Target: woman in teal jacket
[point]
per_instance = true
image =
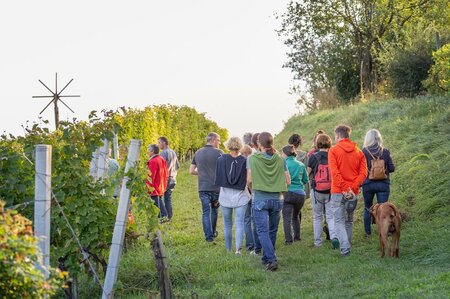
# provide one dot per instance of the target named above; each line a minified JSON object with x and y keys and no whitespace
{"x":294,"y":198}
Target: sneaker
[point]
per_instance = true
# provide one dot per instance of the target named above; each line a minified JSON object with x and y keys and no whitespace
{"x":253,"y":253}
{"x":216,"y":233}
{"x":287,"y":243}
{"x":272,"y":266}
{"x":164,"y":219}
{"x":344,"y":254}
{"x":238,"y":253}
{"x":335,"y":243}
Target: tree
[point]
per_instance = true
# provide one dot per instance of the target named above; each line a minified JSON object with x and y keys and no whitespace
{"x":315,"y":30}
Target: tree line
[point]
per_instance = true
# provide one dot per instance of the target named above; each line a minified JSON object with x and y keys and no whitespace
{"x":352,"y":49}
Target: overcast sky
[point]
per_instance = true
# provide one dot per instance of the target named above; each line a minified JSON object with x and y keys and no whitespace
{"x":221,"y":57}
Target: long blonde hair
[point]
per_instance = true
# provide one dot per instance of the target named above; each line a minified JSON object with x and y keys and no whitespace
{"x":373,"y":138}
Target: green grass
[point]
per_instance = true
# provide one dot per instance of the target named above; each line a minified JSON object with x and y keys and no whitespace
{"x":418,"y":134}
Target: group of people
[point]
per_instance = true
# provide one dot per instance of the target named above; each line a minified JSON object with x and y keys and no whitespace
{"x":258,"y":184}
{"x":163,"y":166}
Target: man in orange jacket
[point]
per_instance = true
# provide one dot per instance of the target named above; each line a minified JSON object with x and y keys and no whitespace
{"x":348,"y":169}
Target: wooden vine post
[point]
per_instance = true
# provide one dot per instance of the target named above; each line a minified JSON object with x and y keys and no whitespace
{"x":162,"y":267}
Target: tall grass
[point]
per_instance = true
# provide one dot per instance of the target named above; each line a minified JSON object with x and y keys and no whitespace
{"x":417,"y":133}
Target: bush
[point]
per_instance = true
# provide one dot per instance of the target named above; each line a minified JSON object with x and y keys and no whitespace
{"x":19,"y":277}
{"x":439,"y":75}
{"x":407,"y":71}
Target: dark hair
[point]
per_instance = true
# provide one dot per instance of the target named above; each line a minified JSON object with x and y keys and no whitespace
{"x":255,"y":140}
{"x":164,"y":139}
{"x":154,"y":148}
{"x":266,"y":141}
{"x":343,"y":131}
{"x":323,"y":141}
{"x":289,"y":150}
{"x":211,"y":137}
{"x":296,"y":140}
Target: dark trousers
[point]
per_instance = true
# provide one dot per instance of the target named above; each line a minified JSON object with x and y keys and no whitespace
{"x":381,"y":189}
{"x":168,"y":196}
{"x":160,"y":204}
{"x":293,"y":203}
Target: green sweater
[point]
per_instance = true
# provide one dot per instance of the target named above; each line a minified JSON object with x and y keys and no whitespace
{"x":268,"y":173}
{"x":299,"y":176}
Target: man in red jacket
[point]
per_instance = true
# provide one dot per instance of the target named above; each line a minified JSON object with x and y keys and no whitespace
{"x":348,"y":171}
{"x":158,"y":177}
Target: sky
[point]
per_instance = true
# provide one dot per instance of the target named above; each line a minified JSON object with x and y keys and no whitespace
{"x":222,"y":57}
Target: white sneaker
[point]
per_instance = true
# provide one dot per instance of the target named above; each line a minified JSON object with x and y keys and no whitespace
{"x":253,"y":253}
{"x":238,"y":253}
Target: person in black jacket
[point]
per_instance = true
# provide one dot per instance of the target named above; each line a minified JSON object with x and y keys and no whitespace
{"x":373,"y":149}
{"x":231,"y":177}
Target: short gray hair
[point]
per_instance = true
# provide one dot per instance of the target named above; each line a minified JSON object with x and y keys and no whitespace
{"x":153,"y":148}
{"x":373,"y":138}
{"x":212,"y":136}
{"x":247,"y":138}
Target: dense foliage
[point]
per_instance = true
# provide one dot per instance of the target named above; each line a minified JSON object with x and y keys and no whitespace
{"x":88,"y":203}
{"x":19,"y":277}
{"x":342,"y":49}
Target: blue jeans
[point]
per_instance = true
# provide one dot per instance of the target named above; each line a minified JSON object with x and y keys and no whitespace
{"x":381,"y":190}
{"x":168,"y":196}
{"x":267,"y":218}
{"x":210,"y":204}
{"x":251,"y":236}
{"x":227,"y":214}
{"x":160,"y":204}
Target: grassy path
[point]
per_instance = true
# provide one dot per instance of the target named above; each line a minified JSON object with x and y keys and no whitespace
{"x":208,"y":271}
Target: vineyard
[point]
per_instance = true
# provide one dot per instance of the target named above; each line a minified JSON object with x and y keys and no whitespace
{"x":83,"y":208}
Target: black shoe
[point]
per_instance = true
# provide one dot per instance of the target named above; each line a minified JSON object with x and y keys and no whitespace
{"x":272,"y":266}
{"x":297,"y":239}
{"x":216,"y":233}
{"x":287,"y":243}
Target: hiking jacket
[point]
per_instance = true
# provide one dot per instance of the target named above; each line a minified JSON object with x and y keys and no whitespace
{"x":158,"y":176}
{"x":348,"y":166}
{"x":231,"y":172}
{"x":299,"y":176}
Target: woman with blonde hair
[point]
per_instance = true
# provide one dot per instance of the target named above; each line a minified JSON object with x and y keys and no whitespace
{"x":231,"y":177}
{"x":378,"y":185}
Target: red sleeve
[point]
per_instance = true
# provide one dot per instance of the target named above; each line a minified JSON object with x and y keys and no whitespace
{"x":362,"y":173}
{"x":152,"y":167}
{"x":336,"y":175}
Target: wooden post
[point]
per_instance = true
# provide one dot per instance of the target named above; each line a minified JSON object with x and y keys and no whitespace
{"x":165,"y":285}
{"x":120,"y":225}
{"x":42,"y":203}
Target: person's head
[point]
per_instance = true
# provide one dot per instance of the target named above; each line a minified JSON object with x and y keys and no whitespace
{"x":323,"y":141}
{"x":152,"y":150}
{"x":265,"y":141}
{"x":163,"y":142}
{"x":255,"y":141}
{"x":234,"y":144}
{"x":342,"y":131}
{"x":247,"y":138}
{"x":289,"y":151}
{"x":315,"y":138}
{"x":373,"y":139}
{"x":246,"y":150}
{"x":213,"y":139}
{"x":296,"y":140}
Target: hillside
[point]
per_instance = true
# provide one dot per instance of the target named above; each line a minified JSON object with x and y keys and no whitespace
{"x":417,"y":133}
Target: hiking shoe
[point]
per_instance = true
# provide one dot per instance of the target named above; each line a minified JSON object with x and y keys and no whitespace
{"x":287,"y":243}
{"x":272,"y":266}
{"x":344,"y":254}
{"x":335,"y":243}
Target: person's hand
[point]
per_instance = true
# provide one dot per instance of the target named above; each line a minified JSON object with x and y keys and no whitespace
{"x":349,"y":194}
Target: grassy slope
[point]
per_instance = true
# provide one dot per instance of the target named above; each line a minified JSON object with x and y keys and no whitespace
{"x":417,"y":132}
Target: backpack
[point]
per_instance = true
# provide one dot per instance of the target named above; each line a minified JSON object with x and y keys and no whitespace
{"x":322,"y":175}
{"x":378,"y":168}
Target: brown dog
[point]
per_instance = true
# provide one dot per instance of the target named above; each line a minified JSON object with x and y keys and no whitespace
{"x":388,"y":220}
